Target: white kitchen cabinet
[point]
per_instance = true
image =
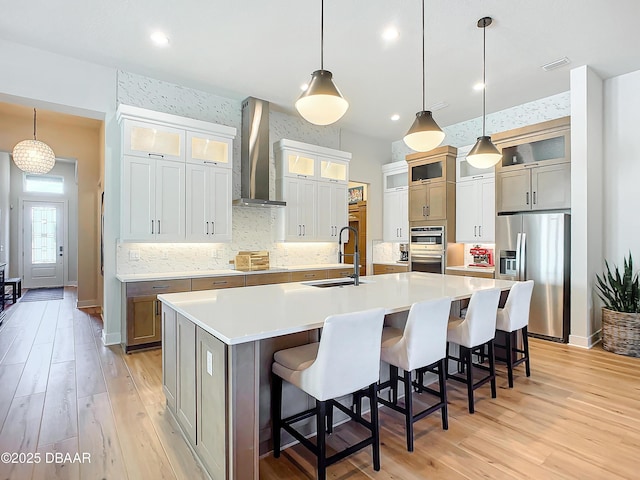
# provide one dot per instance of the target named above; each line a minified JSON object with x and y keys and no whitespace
{"x":208,"y":206}
{"x":332,"y":210}
{"x":312,"y":180}
{"x":153,"y":140}
{"x":301,"y":210}
{"x":162,"y":199}
{"x":153,"y":199}
{"x":396,"y":216}
{"x":475,"y":215}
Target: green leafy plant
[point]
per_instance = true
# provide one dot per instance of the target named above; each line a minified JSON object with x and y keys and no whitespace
{"x":620,"y":293}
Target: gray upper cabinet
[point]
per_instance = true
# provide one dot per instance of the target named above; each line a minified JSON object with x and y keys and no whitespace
{"x":535,"y":171}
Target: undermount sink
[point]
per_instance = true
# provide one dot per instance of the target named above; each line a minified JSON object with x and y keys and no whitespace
{"x":336,"y":283}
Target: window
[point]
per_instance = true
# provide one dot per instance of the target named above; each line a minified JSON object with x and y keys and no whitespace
{"x":43,"y":183}
{"x":43,"y":244}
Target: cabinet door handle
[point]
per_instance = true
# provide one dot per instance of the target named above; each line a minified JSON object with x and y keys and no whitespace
{"x":160,"y":287}
{"x":304,"y":230}
{"x":475,"y":228}
{"x":158,"y":226}
{"x":220,"y":282}
{"x":428,"y":210}
{"x":213,"y":227}
{"x":299,"y":230}
{"x":400,"y":232}
{"x":534,"y":198}
{"x":156,"y":155}
{"x":480,"y":230}
{"x":152,"y":222}
{"x":207,"y":162}
{"x":527,"y":198}
{"x":423,"y":210}
{"x":207,"y":228}
{"x":157,"y":307}
{"x":309,"y":275}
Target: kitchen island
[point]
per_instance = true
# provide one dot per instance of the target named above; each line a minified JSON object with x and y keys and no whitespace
{"x":218,"y":347}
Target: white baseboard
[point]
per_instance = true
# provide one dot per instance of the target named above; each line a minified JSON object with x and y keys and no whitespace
{"x":71,"y":284}
{"x":585,"y":342}
{"x":87,"y":303}
{"x":111,"y":338}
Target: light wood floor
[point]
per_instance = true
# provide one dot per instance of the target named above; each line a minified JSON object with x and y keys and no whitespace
{"x":61,"y":390}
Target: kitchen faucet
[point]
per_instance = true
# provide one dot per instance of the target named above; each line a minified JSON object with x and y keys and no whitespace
{"x":355,"y":254}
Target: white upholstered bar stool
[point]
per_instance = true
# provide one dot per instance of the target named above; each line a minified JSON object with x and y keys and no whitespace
{"x":512,"y":318}
{"x":472,"y":333}
{"x":346,"y":360}
{"x":421,"y":347}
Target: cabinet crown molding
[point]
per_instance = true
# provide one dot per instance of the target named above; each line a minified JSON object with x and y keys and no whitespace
{"x":129,"y":112}
{"x":436,"y":152}
{"x":302,"y":147}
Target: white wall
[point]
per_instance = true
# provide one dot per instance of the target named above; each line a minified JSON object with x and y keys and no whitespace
{"x":622,"y":173}
{"x":587,"y":234}
{"x":67,"y":171}
{"x":5,"y":169}
{"x":79,"y":88}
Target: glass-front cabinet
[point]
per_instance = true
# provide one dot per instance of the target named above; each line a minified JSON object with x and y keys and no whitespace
{"x":333,"y":170}
{"x":208,"y":149}
{"x":144,"y":139}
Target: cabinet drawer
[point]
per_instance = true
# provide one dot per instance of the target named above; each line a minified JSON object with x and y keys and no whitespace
{"x":214,"y":283}
{"x":267,"y":278}
{"x":379,"y":269}
{"x":156,"y":287}
{"x":339,"y":272}
{"x":306,"y":275}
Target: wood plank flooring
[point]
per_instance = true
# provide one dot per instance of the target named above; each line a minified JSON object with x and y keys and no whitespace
{"x":62,"y":391}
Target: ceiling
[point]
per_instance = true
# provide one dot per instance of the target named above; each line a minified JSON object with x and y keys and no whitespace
{"x":267,"y":49}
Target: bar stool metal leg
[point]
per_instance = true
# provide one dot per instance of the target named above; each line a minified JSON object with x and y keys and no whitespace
{"x":276,"y":415}
{"x":408,"y":405}
{"x":468,"y":364}
{"x":525,"y":344}
{"x":492,"y":369}
{"x":321,"y":440}
{"x":330,"y":418}
{"x":509,"y":359}
{"x":442,"y":379}
{"x":375,"y":427}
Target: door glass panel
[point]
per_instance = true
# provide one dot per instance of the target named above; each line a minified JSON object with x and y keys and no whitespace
{"x":468,"y":170}
{"x":43,"y":243}
{"x":532,"y":152}
{"x":146,"y":139}
{"x":301,"y":165}
{"x":426,"y":172}
{"x":333,"y":170}
{"x":206,"y":149}
{"x":397,"y":180}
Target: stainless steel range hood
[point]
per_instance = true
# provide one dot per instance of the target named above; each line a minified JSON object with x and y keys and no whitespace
{"x":254,"y":156}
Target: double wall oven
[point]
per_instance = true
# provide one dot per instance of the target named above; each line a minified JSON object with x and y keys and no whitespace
{"x":427,"y":249}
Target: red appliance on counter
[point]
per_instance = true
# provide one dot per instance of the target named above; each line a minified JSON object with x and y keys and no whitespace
{"x":482,"y":257}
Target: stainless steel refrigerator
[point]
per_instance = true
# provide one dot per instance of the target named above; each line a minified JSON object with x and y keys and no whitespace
{"x":536,"y":246}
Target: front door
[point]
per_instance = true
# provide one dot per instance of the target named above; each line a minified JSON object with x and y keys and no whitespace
{"x":43,"y":244}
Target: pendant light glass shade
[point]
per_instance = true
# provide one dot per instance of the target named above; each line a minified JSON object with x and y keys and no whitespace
{"x":322,"y":103}
{"x":484,"y":153}
{"x":34,"y":156}
{"x":424,"y":134}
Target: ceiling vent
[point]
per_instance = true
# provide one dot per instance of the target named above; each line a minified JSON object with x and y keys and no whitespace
{"x":556,"y":64}
{"x":437,"y":106}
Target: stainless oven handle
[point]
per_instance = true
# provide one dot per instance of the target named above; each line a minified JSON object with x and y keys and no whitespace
{"x":419,"y":257}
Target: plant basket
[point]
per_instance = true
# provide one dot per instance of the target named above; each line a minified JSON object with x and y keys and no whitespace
{"x":621,"y":332}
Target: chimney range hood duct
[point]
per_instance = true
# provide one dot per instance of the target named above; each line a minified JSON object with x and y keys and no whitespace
{"x":254,"y":158}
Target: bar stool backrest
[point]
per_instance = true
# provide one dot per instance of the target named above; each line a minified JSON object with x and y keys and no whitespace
{"x":348,"y":356}
{"x":518,"y":304}
{"x":425,"y":334}
{"x":480,"y":321}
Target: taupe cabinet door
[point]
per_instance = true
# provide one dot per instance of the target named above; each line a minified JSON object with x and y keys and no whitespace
{"x":169,"y":357}
{"x":186,"y":401}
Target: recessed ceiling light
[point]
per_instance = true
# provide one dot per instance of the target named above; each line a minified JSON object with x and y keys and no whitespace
{"x":478,"y":86}
{"x":390,"y":33}
{"x":304,"y":87}
{"x":160,"y":39}
{"x":395,"y":117}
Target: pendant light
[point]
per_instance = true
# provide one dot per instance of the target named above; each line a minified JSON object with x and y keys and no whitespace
{"x":34,"y":156}
{"x":322,"y":103}
{"x":424,"y":134}
{"x":484,"y":153}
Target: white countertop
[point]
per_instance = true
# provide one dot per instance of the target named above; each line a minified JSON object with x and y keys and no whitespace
{"x":140,"y":277}
{"x":239,"y":315}
{"x":465,"y":268}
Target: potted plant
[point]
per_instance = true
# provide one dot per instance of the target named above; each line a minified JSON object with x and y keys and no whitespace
{"x":621,"y":312}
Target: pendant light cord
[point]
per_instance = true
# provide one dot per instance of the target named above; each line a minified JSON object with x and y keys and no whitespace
{"x":484,"y":76}
{"x":34,"y":123}
{"x":424,"y":84}
{"x":322,"y":35}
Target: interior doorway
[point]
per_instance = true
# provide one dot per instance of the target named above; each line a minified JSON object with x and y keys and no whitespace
{"x":358,"y":220}
{"x":43,"y":243}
